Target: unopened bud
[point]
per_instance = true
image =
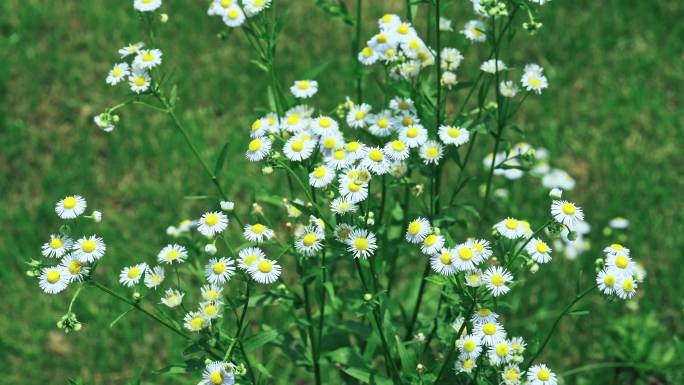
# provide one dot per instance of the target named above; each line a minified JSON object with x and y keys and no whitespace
{"x":555,"y":193}
{"x":420,"y":368}
{"x":164,"y":17}
{"x":367,"y":297}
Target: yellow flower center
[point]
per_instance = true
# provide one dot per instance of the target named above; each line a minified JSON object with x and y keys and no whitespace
{"x":403,"y":29}
{"x":256,"y":125}
{"x":478,"y":247}
{"x":383,"y":123}
{"x":89,"y":246}
{"x":226,"y":3}
{"x":375,"y":155}
{"x":249,"y":260}
{"x":139,"y":81}
{"x":173,"y":254}
{"x":293,"y":119}
{"x":74,"y":267}
{"x":329,"y":143}
{"x":512,"y":374}
{"x":465,"y":253}
{"x":55,"y":243}
{"x":468,"y":364}
{"x":498,"y":280}
{"x":116,"y":72}
{"x":367,"y":52}
{"x":382,"y":38}
{"x":609,"y":280}
{"x":258,"y":3}
{"x":69,"y":202}
{"x":302,"y":85}
{"x":211,"y":219}
{"x":218,"y":268}
{"x":501,"y":350}
{"x":338,"y":155}
{"x":210,"y":310}
{"x":511,"y":224}
{"x":398,"y":146}
{"x":258,"y":228}
{"x":469,"y":346}
{"x":255,"y":145}
{"x":319,"y":172}
{"x":265,"y":266}
{"x":432,"y":152}
{"x":543,"y":374}
{"x":407,"y":121}
{"x":216,"y":378}
{"x":297,"y":146}
{"x":386,"y":18}
{"x":617,"y":246}
{"x":628,"y":285}
{"x":568,"y":208}
{"x":484,"y":312}
{"x":197,"y":323}
{"x":489,"y":329}
{"x":324,"y":122}
{"x":353,"y":187}
{"x":453,"y":132}
{"x":309,"y":239}
{"x":430,"y":240}
{"x":541,"y":247}
{"x":353,"y":146}
{"x":621,"y":261}
{"x":361,"y":243}
{"x":133,"y":272}
{"x":233,"y":14}
{"x":412,"y":132}
{"x":535,"y":82}
{"x":414,"y":227}
{"x":147,"y":57}
{"x":53,"y":276}
{"x":445,"y":258}
{"x":360,"y":114}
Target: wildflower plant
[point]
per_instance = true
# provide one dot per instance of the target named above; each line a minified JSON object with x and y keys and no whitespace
{"x":365,"y":186}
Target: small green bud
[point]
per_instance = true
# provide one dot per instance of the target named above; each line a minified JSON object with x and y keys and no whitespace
{"x":367,"y":297}
{"x":573,"y":235}
{"x":164,"y":17}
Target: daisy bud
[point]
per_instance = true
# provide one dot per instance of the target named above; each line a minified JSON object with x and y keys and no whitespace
{"x":115,"y":119}
{"x":420,"y":337}
{"x":268,"y":170}
{"x":77,"y":327}
{"x":309,"y":205}
{"x":420,"y":368}
{"x":367,"y":297}
{"x":210,"y":248}
{"x":97,"y":216}
{"x":556,"y":193}
{"x":370,"y":222}
{"x":227,"y":205}
{"x":170,"y":230}
{"x":136,"y":296}
{"x":257,"y":209}
{"x":534,"y":268}
{"x":164,"y":18}
{"x":573,"y":235}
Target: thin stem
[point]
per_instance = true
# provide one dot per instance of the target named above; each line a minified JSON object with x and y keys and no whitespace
{"x":355,"y":49}
{"x":452,"y":347}
{"x":314,"y":353}
{"x":419,"y":300}
{"x":229,"y":353}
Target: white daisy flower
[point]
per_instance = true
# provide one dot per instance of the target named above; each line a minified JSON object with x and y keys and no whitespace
{"x":117,"y":73}
{"x":146,"y":5}
{"x":342,"y":206}
{"x":402,"y":105}
{"x":219,"y":270}
{"x":310,"y":242}
{"x":541,"y":375}
{"x":407,"y":119}
{"x":621,"y":263}
{"x":211,"y":293}
{"x":375,"y":161}
{"x":355,"y":150}
{"x":443,"y":263}
{"x":354,"y":191}
{"x":329,"y":130}
{"x":104,"y":122}
{"x":258,"y":148}
{"x":398,"y":168}
{"x":431,"y":152}
{"x":339,"y":159}
{"x":266,"y":271}
{"x":381,"y":124}
{"x":298,"y":148}
{"x":131,"y":49}
{"x":414,"y":136}
{"x":154,"y":276}
{"x":227,"y":205}
{"x":172,"y":253}
{"x":616,"y":248}
{"x":321,"y":176}
{"x":343,"y":231}
{"x":432,"y":244}
{"x":361,"y":243}
{"x":490,"y":333}
{"x":626,"y":287}
{"x":70,"y":207}
{"x":567,"y":213}
{"x":508,"y":89}
{"x":382,"y":41}
{"x":210,"y":309}
{"x":500,"y":353}
{"x":212,"y":223}
{"x":453,"y":135}
{"x":483,"y":316}
{"x":77,"y":270}
{"x":534,"y":81}
{"x":139,"y":81}
{"x":538,"y":250}
{"x":233,"y":16}
{"x":357,"y":117}
{"x":53,"y":280}
{"x":130,"y":275}
{"x":397,"y":150}
{"x":147,"y":59}
{"x":465,"y":365}
{"x":253,"y":7}
{"x":619,"y":223}
{"x":304,"y":88}
{"x":475,"y":30}
{"x":445,"y":25}
{"x":511,"y":375}
{"x":451,"y":59}
{"x":259,"y":128}
{"x":491,"y":66}
{"x":210,"y":248}
{"x":217,"y":372}
{"x":388,"y":22}
{"x":481,"y":247}
{"x":417,"y":230}
{"x":510,"y":228}
{"x":470,"y":346}
{"x":496,"y":278}
{"x":473,"y":278}
{"x":172,"y":298}
{"x":466,"y":258}
{"x":258,"y":233}
{"x":368,"y":56}
{"x":195,"y":321}
{"x":57,"y":246}
{"x":89,"y":249}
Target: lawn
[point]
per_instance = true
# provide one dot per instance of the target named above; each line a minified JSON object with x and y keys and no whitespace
{"x":611,"y":117}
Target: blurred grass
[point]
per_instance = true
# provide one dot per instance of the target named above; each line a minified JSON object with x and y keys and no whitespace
{"x":611,"y":118}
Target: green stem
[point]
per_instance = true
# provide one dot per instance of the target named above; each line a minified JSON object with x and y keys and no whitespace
{"x":355,"y":50}
{"x":229,"y":352}
{"x":419,"y":300}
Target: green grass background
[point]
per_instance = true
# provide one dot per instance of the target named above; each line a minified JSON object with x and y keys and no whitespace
{"x":611,"y":117}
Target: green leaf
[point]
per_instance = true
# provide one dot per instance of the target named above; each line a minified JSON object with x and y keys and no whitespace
{"x":260,"y":64}
{"x":366,"y":376}
{"x":407,"y":357}
{"x":579,"y":313}
{"x":173,"y":96}
{"x":221,"y":160}
{"x":437,"y":280}
{"x":172,"y":369}
{"x":317,"y":70}
{"x":260,"y":339}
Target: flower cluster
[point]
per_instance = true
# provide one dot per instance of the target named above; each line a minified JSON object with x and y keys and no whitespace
{"x":620,"y":275}
{"x":235,"y":12}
